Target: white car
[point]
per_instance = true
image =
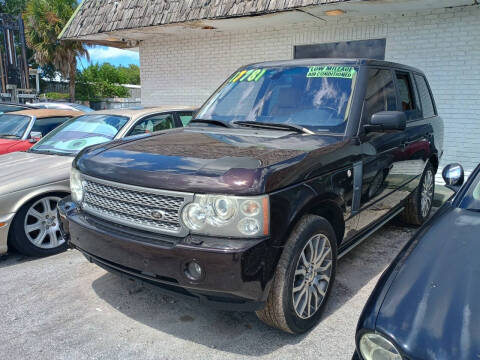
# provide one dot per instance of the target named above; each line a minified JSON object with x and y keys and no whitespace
{"x":32,"y":182}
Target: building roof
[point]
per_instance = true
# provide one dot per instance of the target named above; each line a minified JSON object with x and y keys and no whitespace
{"x":44,"y":113}
{"x":101,"y":16}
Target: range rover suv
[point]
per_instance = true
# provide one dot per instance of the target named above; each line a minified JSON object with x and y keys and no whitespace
{"x":285,"y":168}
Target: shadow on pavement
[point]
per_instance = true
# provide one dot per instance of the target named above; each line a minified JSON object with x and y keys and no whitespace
{"x":13,"y":258}
{"x":242,"y":333}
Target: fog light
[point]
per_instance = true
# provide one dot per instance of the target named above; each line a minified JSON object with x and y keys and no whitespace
{"x":194,"y":271}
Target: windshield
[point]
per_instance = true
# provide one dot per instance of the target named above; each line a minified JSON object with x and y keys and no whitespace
{"x":78,"y":133}
{"x":471,"y":200}
{"x":13,"y":125}
{"x":315,"y":97}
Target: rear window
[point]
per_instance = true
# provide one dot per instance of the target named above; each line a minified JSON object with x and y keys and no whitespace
{"x":5,"y":108}
{"x":46,"y":125}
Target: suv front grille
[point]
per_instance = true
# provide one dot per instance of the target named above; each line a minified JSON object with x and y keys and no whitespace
{"x":136,"y":207}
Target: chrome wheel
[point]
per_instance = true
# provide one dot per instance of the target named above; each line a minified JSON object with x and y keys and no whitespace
{"x":427,"y":194}
{"x":41,"y":223}
{"x":312,"y":276}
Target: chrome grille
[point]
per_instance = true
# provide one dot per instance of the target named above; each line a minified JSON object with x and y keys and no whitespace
{"x":134,"y":206}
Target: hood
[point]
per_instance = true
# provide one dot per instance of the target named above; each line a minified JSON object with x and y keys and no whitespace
{"x":22,"y":170}
{"x":432,"y":309}
{"x":6,"y":145}
{"x":206,"y":159}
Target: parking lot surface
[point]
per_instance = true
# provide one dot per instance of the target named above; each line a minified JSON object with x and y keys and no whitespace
{"x":63,"y":307}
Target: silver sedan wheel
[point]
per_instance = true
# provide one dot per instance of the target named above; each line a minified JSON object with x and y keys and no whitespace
{"x":312,"y":276}
{"x":427,"y":193}
{"x":41,"y":224}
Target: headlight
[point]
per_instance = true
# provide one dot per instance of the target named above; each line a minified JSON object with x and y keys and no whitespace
{"x":76,"y":186}
{"x":376,"y":347}
{"x":231,"y":216}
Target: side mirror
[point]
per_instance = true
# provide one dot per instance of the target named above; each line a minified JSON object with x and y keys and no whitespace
{"x":35,"y":136}
{"x":387,"y":120}
{"x":454,"y":176}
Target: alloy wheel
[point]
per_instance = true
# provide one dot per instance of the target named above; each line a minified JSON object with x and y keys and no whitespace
{"x":41,"y":224}
{"x":312,"y":276}
{"x":427,"y":194}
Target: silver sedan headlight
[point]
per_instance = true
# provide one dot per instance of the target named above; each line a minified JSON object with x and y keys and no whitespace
{"x":377,"y":347}
{"x":76,"y":186}
{"x":230,"y":216}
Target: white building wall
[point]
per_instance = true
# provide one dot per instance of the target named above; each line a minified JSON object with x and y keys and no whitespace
{"x":444,"y":43}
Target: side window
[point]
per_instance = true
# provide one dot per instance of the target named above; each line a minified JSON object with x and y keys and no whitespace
{"x":185,"y":117}
{"x":153,"y":123}
{"x":48,"y":124}
{"x":380,"y":94}
{"x":407,"y":96}
{"x":425,"y":97}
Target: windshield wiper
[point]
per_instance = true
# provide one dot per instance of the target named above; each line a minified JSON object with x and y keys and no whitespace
{"x":276,"y":126}
{"x":212,"y":122}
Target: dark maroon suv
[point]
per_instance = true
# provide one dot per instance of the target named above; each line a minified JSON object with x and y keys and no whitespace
{"x":288,"y":166}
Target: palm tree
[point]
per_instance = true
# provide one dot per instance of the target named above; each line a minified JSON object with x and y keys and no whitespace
{"x":44,"y":21}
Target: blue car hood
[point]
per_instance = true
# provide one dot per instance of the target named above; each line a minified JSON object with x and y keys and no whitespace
{"x":432,"y":309}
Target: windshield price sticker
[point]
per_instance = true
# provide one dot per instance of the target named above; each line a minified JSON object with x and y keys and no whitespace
{"x":248,"y":75}
{"x":344,"y":72}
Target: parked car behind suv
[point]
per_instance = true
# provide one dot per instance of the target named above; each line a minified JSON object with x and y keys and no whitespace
{"x":286,"y":168}
{"x":32,"y":182}
{"x":19,"y":130}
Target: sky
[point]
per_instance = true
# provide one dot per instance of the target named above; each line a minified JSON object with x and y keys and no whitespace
{"x":101,"y":54}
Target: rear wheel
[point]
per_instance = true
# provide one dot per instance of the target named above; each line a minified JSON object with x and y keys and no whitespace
{"x":419,"y":205}
{"x":36,"y":228}
{"x":303,"y":278}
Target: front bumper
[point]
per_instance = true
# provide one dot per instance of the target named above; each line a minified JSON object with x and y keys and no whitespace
{"x":237,"y":273}
{"x":7,"y":221}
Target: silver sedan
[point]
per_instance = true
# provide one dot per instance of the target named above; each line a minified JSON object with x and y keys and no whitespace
{"x":32,"y":182}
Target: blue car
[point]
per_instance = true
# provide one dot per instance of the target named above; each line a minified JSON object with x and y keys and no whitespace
{"x":427,"y":303}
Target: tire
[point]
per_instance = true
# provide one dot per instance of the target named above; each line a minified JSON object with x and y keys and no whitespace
{"x":283,"y":309}
{"x":40,"y":217}
{"x":415,"y":213}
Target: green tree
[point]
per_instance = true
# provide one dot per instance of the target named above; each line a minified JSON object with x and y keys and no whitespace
{"x":44,"y":21}
{"x":131,"y":74}
{"x":12,"y":7}
{"x":101,"y":81}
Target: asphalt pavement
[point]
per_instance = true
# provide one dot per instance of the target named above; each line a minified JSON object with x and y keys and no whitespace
{"x":63,"y":307}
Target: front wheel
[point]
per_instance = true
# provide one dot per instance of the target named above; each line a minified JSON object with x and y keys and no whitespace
{"x":303,"y":278}
{"x":419,"y":205}
{"x":36,"y":228}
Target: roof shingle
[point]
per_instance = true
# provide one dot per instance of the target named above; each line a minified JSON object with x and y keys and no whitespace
{"x":99,"y":16}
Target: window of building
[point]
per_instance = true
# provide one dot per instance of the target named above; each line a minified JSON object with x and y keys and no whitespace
{"x":425,"y":97}
{"x":380,"y":94}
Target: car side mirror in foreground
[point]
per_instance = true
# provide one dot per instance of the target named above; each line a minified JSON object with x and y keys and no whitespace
{"x":454,"y":176}
{"x":35,"y":136}
{"x":387,"y":120}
